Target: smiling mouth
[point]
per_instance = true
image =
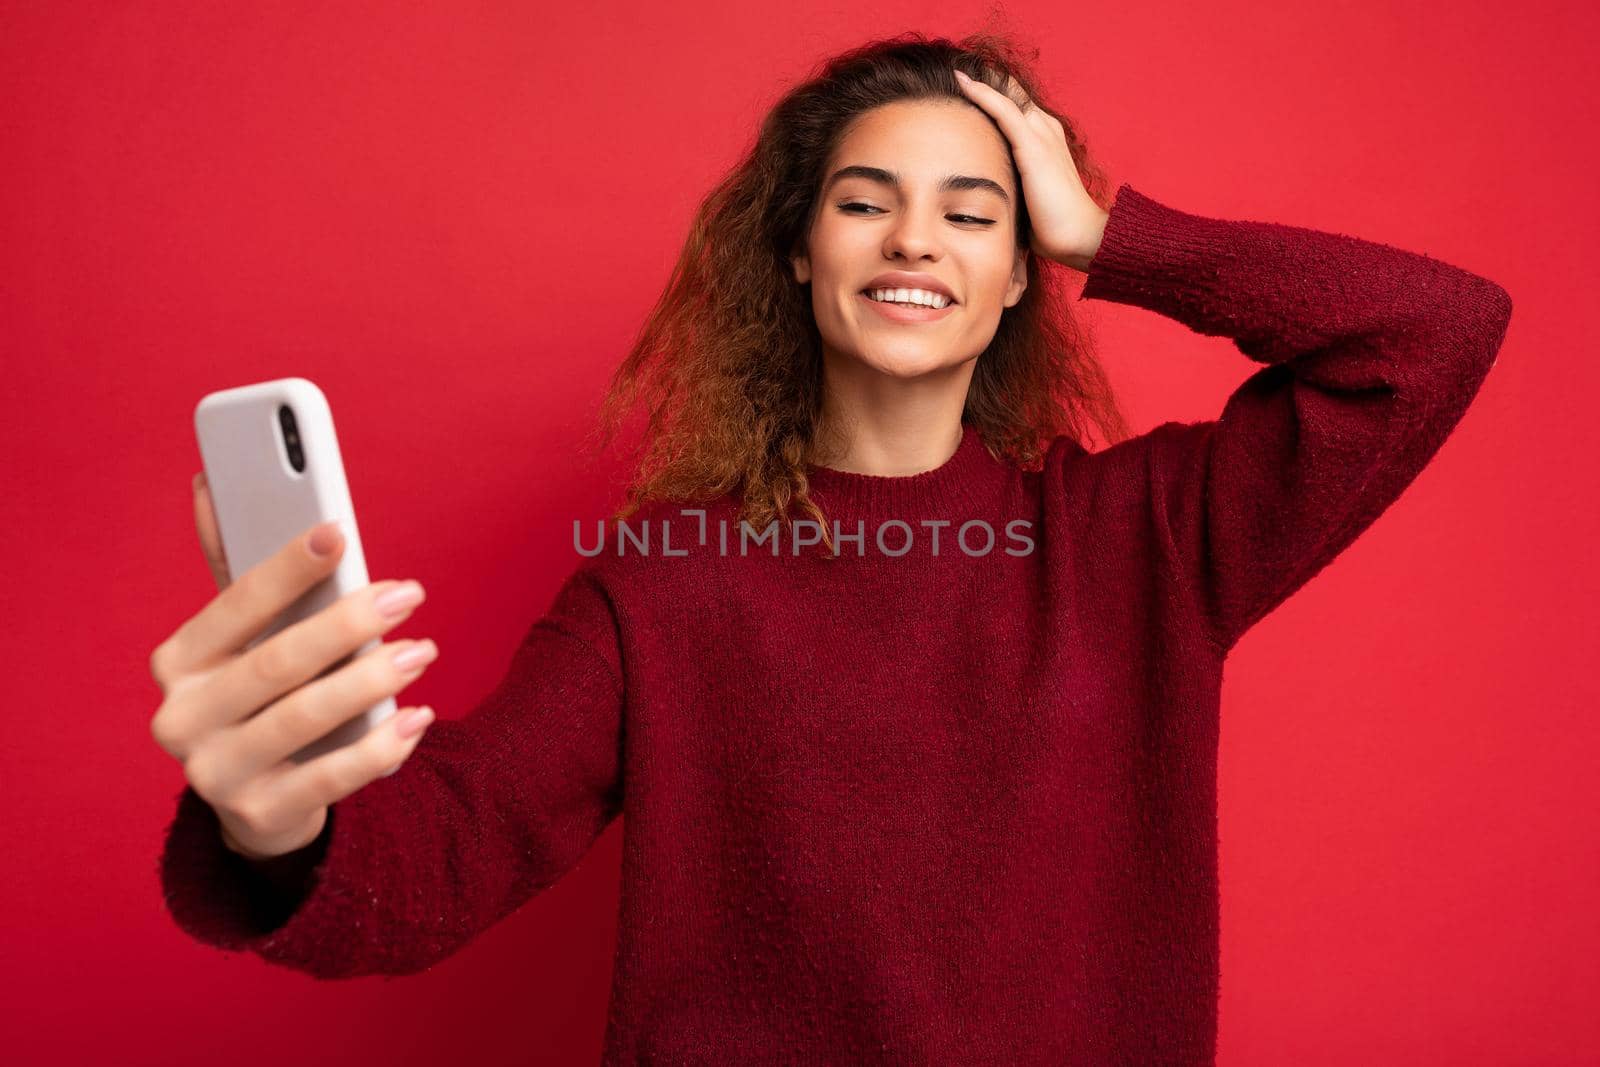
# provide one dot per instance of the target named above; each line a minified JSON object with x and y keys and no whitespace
{"x":948,"y":300}
{"x":906,"y":312}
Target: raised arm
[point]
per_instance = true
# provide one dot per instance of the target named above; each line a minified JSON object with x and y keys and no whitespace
{"x":1372,"y":355}
{"x":488,"y":811}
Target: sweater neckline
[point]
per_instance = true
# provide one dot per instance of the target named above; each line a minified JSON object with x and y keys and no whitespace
{"x":959,"y":487}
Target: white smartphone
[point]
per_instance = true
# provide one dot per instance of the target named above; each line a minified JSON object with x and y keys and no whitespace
{"x":273,"y":467}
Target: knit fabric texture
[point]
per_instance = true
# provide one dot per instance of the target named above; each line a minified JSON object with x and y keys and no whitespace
{"x":919,"y":803}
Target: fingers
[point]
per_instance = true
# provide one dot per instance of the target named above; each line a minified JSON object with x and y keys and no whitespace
{"x":1010,"y":91}
{"x":1024,"y":131}
{"x":205,"y":521}
{"x":1017,"y":115}
{"x":295,"y":655}
{"x":1038,"y":139}
{"x":238,"y":613}
{"x":313,"y":710}
{"x":335,"y":775}
{"x":286,"y":808}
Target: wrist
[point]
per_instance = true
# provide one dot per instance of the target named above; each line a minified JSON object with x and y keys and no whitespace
{"x":1084,"y":257}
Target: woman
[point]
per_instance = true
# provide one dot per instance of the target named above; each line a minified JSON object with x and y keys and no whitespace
{"x":933,"y":778}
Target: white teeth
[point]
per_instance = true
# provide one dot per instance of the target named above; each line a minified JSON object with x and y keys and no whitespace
{"x":910,"y":296}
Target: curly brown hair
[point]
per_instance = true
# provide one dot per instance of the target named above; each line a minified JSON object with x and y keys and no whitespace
{"x":729,"y":360}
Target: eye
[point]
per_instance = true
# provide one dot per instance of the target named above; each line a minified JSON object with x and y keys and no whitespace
{"x":964,"y":220}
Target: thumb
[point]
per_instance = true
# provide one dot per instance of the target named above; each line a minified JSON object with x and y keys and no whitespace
{"x":205,"y":523}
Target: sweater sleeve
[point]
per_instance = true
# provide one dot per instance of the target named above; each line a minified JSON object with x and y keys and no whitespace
{"x":1370,"y":357}
{"x":489,"y":810}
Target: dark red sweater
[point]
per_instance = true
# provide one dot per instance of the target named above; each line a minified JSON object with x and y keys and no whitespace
{"x":930,"y":807}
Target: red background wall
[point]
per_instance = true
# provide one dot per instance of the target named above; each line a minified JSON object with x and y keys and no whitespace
{"x":454,"y":217}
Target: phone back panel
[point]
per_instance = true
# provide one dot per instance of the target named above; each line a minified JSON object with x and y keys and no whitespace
{"x":262,"y":503}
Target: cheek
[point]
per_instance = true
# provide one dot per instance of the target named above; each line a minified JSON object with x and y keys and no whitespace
{"x":996,"y":282}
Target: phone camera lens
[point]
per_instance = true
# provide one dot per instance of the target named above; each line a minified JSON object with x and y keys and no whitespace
{"x":291,"y":438}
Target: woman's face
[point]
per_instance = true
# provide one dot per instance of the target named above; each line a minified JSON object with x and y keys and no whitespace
{"x":885,"y":207}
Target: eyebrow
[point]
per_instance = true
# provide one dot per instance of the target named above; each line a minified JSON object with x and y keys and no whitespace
{"x":950,"y":183}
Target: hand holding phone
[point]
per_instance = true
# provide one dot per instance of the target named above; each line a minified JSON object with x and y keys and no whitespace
{"x":279,"y":696}
{"x":272,"y":469}
{"x":233,"y":718}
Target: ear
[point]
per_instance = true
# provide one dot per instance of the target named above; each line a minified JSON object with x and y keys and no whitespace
{"x":802,"y":267}
{"x":1019,"y":279}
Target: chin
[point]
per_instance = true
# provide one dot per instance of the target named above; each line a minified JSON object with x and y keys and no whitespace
{"x":908,"y":364}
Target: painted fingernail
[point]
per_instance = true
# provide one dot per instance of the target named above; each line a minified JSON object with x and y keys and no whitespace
{"x":413,"y":722}
{"x":396,"y":602}
{"x":414,"y":656}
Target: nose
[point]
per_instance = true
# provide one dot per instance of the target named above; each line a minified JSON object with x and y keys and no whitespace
{"x":913,"y":236}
